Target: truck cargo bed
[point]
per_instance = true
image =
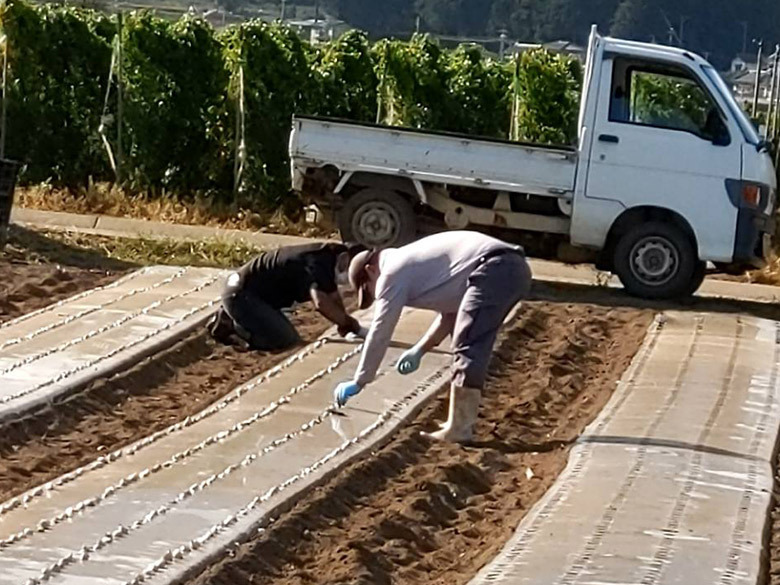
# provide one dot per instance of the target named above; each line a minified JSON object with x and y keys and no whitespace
{"x":437,"y":157}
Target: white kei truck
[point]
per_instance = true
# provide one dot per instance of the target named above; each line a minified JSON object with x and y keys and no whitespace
{"x":652,"y":197}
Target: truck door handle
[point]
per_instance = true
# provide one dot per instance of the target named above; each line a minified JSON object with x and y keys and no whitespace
{"x":609,"y":138}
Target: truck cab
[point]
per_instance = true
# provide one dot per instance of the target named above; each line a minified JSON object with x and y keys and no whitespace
{"x":671,"y":171}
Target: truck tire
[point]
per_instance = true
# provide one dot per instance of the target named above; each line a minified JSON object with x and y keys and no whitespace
{"x":698,"y":277}
{"x":377,"y":219}
{"x":658,"y":261}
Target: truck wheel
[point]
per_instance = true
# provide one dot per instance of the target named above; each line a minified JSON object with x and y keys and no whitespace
{"x":658,"y":261}
{"x":377,"y":219}
{"x":698,"y":277}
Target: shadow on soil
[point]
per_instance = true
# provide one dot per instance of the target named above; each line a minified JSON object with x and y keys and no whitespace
{"x":611,"y":298}
{"x":29,"y":246}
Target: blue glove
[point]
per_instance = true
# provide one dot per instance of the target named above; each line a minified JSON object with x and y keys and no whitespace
{"x":344,"y":392}
{"x":410,"y":361}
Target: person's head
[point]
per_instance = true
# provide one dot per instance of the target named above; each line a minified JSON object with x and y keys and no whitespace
{"x":343,"y":260}
{"x":363,"y":275}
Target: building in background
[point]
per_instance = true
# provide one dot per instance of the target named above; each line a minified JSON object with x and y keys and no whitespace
{"x":319,"y":30}
{"x":559,"y":47}
{"x":741,"y":77}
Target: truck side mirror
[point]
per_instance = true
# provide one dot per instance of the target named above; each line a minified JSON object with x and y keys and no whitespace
{"x":722,"y":139}
{"x":716,"y":130}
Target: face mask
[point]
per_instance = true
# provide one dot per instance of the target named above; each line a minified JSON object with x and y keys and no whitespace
{"x":342,"y":278}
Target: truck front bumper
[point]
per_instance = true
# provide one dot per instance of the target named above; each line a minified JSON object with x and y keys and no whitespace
{"x":754,"y":238}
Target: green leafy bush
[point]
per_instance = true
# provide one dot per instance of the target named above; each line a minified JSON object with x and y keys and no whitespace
{"x":547,"y":93}
{"x":478,"y":93}
{"x":58,"y":63}
{"x":412,"y":83}
{"x":176,"y":123}
{"x":278,"y":80}
{"x":345,"y":78}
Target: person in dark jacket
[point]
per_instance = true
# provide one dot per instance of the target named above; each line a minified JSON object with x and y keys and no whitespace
{"x":256,"y":294}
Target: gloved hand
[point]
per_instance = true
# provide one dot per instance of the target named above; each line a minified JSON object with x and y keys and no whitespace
{"x":410,"y":361}
{"x":344,"y":392}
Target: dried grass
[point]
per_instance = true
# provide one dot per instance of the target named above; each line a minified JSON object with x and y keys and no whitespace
{"x":107,"y":199}
{"x":143,"y":252}
{"x":770,"y":274}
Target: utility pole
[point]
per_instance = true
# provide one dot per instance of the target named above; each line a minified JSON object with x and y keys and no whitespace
{"x":673,"y":33}
{"x":316,"y":11}
{"x":502,"y":48}
{"x":282,"y":12}
{"x":777,"y":118}
{"x":683,"y":20}
{"x":119,"y":100}
{"x":3,"y":126}
{"x":758,"y":77}
{"x":770,"y":117}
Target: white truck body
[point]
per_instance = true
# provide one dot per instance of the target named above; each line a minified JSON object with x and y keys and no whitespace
{"x":709,"y":180}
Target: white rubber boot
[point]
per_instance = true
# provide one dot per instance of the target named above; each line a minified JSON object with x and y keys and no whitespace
{"x":463,"y":412}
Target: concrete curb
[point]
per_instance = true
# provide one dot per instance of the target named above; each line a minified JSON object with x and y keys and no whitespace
{"x":104,"y":225}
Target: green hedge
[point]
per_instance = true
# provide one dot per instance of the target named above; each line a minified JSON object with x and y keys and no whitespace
{"x":176,"y":122}
{"x":58,"y":64}
{"x":181,"y":96}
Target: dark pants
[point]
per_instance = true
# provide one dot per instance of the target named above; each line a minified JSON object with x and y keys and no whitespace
{"x":258,"y":323}
{"x":495,"y":286}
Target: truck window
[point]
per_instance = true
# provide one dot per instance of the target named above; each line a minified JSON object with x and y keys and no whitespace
{"x":646,"y":96}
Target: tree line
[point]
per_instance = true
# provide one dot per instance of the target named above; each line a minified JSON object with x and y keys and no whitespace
{"x":717,"y":28}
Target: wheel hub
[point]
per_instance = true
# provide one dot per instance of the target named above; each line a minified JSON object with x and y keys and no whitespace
{"x":376,"y":223}
{"x":654,"y":261}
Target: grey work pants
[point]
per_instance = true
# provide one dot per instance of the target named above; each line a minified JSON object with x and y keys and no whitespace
{"x":497,"y":284}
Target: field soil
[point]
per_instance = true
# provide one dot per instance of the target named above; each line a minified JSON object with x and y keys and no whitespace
{"x":26,"y":286}
{"x":36,"y":271}
{"x":417,"y":512}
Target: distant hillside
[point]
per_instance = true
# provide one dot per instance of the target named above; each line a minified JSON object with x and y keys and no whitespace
{"x":719,"y":28}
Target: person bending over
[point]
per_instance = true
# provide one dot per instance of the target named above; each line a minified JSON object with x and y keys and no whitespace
{"x":471,"y":280}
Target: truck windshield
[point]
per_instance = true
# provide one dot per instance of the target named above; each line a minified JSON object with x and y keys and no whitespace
{"x":748,"y":130}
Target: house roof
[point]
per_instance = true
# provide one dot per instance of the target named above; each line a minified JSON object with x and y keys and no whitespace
{"x":746,"y":77}
{"x":750,"y":58}
{"x":562,"y":46}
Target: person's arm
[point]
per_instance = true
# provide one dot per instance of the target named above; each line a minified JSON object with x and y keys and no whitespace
{"x":387,"y":312}
{"x":438,"y":332}
{"x":332,"y":308}
{"x":442,"y":327}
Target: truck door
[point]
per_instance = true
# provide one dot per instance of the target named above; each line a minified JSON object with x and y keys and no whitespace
{"x":661,"y":139}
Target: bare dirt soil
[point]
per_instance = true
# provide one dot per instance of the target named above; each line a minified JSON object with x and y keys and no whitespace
{"x":416,"y":512}
{"x":35,"y":273}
